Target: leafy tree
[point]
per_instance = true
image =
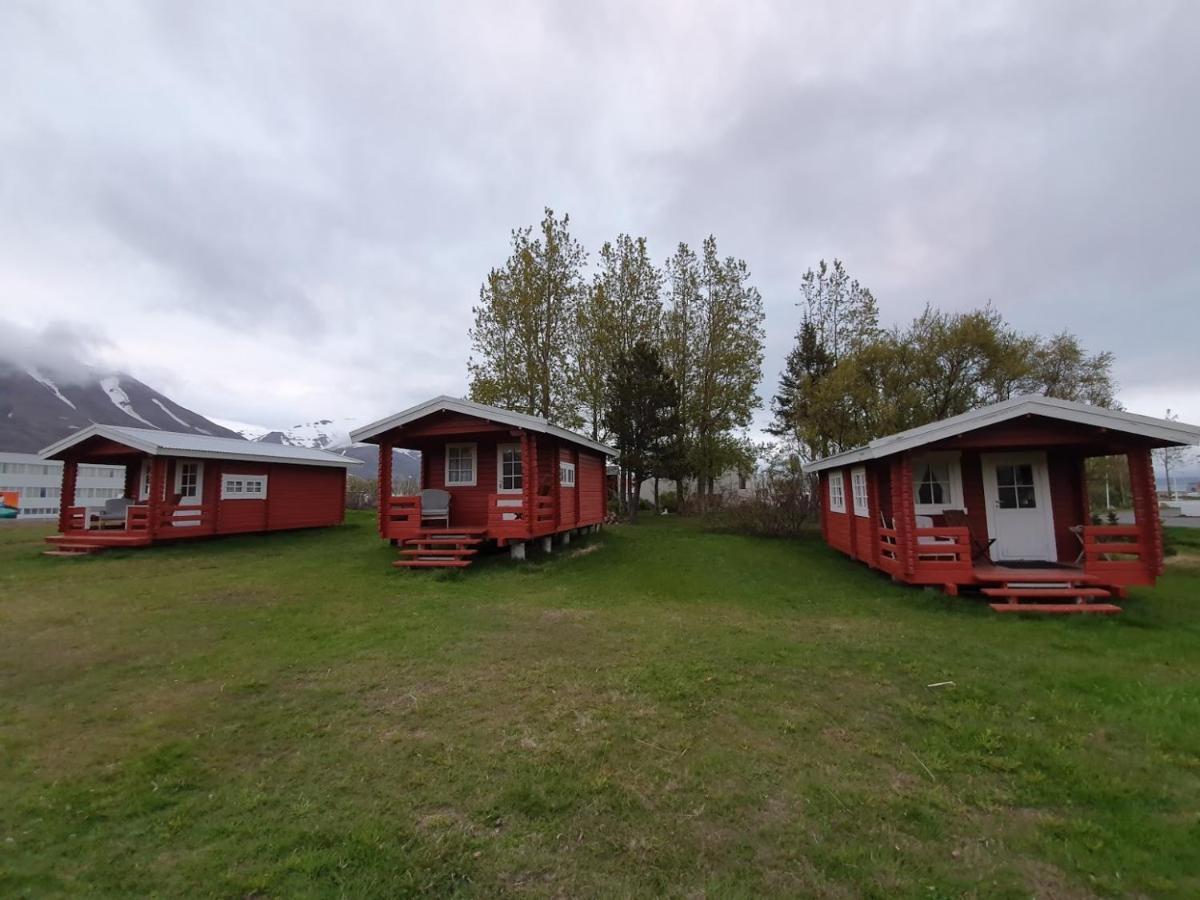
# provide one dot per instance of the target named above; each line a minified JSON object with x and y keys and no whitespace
{"x":1060,"y":368}
{"x":622,"y":306}
{"x":728,"y":362}
{"x":940,"y":365}
{"x":680,"y":352}
{"x":839,"y":318}
{"x":525,"y":323}
{"x":1168,"y":458}
{"x":640,"y":412}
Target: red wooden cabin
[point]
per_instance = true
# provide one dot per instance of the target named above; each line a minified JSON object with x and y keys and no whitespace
{"x":181,"y":486}
{"x":996,"y":499}
{"x":511,"y":478}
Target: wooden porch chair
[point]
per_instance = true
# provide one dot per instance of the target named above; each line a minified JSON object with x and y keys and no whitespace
{"x":435,"y":504}
{"x":981,"y":548}
{"x":113,"y":514}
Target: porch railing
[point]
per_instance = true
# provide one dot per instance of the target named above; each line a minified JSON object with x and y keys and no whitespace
{"x":943,"y":551}
{"x":137,"y":518}
{"x":507,"y":516}
{"x":181,"y":519}
{"x":402,"y":518}
{"x":1115,"y":550}
{"x":77,"y":518}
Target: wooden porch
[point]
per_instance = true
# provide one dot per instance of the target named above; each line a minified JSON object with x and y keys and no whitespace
{"x":1111,"y":558}
{"x":81,"y":533}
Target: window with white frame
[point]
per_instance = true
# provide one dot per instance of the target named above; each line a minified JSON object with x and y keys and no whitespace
{"x":187,"y":479}
{"x":566,"y":474}
{"x":837,"y":493}
{"x":244,"y":487}
{"x":510,"y":478}
{"x":937,"y":483}
{"x":460,"y":465}
{"x":858,"y":491}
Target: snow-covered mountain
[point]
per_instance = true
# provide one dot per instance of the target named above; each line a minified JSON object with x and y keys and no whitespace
{"x":37,"y":409}
{"x":334,"y":435}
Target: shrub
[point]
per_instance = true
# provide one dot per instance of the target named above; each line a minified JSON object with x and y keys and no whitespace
{"x":783,"y":503}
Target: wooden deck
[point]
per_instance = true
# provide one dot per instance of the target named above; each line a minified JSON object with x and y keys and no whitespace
{"x":84,"y":542}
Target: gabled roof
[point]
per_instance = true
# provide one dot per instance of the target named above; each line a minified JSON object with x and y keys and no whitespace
{"x":1035,"y":405}
{"x":479,"y":411}
{"x":199,"y":446}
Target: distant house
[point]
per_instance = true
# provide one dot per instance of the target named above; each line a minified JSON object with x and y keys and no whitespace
{"x":38,"y":484}
{"x":179,"y":486}
{"x":997,"y":499}
{"x":487,"y":475}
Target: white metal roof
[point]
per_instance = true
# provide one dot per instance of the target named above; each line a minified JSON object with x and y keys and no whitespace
{"x":1036,"y":405}
{"x":199,"y":446}
{"x":479,"y":411}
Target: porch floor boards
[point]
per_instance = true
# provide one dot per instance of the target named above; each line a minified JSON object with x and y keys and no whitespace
{"x":989,"y":574}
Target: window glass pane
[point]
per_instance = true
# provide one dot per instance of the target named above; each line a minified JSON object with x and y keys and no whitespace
{"x":1005,"y":475}
{"x":1007,"y":497}
{"x":1025,"y":497}
{"x":1024,"y":474}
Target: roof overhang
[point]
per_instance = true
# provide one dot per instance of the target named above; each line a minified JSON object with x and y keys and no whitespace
{"x":477,"y":411}
{"x":1163,"y":430}
{"x":142,"y":444}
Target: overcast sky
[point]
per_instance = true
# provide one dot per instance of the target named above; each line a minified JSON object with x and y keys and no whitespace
{"x":278,"y":212}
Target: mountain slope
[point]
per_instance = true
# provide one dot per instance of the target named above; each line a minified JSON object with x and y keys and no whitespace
{"x":36,"y":409}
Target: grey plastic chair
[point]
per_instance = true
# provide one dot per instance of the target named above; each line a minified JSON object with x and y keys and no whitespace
{"x":435,"y":504}
{"x":113,"y":512}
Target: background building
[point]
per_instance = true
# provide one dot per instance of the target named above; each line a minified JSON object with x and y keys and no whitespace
{"x":39,"y":484}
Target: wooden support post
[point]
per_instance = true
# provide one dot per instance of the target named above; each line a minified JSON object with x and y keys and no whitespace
{"x":529,"y":476}
{"x":158,"y":486}
{"x":1145,"y":509}
{"x":547,"y":544}
{"x":385,"y":485}
{"x":67,"y":500}
{"x":874,"y":509}
{"x":566,"y":538}
{"x":517,"y":549}
{"x":903,"y":512}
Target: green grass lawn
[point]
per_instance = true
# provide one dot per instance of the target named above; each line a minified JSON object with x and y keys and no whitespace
{"x":657,"y":711}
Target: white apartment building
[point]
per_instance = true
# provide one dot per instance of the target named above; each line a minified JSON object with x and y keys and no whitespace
{"x":39,"y":483}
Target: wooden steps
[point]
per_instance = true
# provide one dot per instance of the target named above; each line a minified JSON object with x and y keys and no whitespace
{"x":1032,"y":593}
{"x":432,"y":563}
{"x":68,"y":547}
{"x":1057,"y":608}
{"x":1051,"y":591}
{"x":443,"y":548}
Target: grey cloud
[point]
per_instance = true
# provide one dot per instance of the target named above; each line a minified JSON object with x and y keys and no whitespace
{"x":343,"y":180}
{"x":67,"y":352}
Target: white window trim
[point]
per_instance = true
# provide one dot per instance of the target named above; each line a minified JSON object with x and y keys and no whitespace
{"x":474,"y":464}
{"x":563,"y":469}
{"x":837,"y":503}
{"x":243,"y":494}
{"x":500,"y":448}
{"x":955,"y":500}
{"x":863,"y":511}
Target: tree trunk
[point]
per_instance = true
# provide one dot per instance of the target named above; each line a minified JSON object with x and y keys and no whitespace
{"x":657,"y":510}
{"x":634,"y":484}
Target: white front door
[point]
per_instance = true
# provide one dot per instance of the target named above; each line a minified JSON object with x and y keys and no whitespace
{"x":1016,"y":487}
{"x":189,"y":485}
